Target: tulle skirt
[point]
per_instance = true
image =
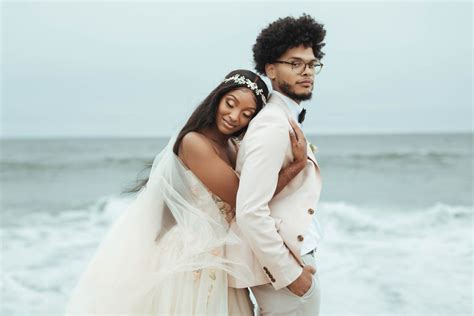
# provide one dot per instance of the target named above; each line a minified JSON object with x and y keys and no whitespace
{"x":164,"y":255}
{"x":133,"y":276}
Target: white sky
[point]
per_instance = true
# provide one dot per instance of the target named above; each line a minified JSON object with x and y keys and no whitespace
{"x":139,"y":68}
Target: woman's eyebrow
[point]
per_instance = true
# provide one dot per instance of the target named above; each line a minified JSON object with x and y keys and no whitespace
{"x":233,"y":97}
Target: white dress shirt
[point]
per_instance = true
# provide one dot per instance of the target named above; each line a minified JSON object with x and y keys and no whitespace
{"x":315,"y":231}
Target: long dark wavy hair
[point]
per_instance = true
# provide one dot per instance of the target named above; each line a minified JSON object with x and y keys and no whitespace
{"x":205,"y":114}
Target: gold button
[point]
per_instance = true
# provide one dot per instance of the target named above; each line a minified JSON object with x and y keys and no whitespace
{"x":311,"y":211}
{"x":300,"y":238}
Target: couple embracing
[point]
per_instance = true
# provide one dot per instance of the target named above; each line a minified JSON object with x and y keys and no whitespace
{"x":230,"y":204}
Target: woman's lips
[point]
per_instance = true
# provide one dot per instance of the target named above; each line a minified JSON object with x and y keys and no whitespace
{"x":227,"y":124}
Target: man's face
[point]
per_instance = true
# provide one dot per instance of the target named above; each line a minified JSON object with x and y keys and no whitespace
{"x":297,"y":86}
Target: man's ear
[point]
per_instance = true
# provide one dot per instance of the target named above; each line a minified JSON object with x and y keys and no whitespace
{"x":270,"y":71}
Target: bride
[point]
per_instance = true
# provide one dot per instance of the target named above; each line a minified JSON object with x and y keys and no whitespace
{"x":164,"y":255}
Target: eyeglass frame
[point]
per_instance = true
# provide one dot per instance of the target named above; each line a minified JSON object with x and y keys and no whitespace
{"x":305,"y":64}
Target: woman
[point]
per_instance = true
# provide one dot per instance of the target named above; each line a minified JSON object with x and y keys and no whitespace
{"x":165,"y":253}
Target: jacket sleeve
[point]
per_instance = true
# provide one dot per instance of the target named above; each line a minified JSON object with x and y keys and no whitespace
{"x":263,"y":156}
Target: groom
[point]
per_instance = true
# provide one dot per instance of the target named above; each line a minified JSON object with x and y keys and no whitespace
{"x":282,"y":233}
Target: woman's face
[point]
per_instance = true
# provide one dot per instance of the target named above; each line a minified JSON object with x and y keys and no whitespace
{"x":235,"y":110}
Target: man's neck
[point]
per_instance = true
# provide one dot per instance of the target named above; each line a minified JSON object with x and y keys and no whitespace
{"x":296,"y":101}
{"x":282,"y":93}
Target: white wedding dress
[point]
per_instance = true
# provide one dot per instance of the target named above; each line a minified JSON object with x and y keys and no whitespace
{"x":165,"y":253}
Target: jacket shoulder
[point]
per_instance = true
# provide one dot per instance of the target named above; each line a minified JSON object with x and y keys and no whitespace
{"x":270,"y":114}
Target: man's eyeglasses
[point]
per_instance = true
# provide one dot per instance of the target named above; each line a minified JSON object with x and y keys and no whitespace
{"x":299,"y":67}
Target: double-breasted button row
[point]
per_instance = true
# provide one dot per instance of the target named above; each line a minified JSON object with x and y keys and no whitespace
{"x":269,"y":274}
{"x":300,"y":237}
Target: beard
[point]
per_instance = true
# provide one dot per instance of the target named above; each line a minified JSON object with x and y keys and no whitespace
{"x":287,"y":90}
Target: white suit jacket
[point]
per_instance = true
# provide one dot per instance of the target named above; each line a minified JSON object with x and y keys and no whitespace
{"x":272,"y":228}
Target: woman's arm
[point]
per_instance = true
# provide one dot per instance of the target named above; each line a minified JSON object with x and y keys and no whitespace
{"x":199,"y":156}
{"x":299,"y":147}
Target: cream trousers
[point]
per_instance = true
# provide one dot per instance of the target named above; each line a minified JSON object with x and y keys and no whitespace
{"x":284,"y":302}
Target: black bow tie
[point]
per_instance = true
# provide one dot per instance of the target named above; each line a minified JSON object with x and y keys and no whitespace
{"x":301,"y":116}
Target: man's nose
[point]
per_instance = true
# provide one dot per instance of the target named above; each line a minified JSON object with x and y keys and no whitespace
{"x":307,"y":72}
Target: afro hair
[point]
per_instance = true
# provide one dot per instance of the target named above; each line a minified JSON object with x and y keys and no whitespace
{"x":284,"y":34}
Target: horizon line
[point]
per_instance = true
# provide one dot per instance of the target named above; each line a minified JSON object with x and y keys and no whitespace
{"x":322,"y":133}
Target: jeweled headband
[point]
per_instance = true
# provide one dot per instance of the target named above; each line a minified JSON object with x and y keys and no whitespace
{"x":251,"y":85}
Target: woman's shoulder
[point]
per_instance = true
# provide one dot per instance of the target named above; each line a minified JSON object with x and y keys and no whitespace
{"x":193,"y":136}
{"x":195,"y":144}
{"x":195,"y":140}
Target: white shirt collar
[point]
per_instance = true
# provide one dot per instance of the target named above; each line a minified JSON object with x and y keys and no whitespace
{"x":294,"y":107}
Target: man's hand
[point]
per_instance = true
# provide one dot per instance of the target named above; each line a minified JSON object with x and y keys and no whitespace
{"x":303,"y":283}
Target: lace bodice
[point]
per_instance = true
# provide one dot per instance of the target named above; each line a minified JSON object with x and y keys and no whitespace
{"x":226,"y":210}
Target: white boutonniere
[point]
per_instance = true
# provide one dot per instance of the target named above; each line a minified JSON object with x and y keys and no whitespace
{"x":313,"y":147}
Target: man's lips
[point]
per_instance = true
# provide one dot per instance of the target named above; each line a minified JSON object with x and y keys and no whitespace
{"x":306,"y":84}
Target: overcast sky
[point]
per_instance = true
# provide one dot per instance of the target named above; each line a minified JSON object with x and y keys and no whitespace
{"x":139,"y":68}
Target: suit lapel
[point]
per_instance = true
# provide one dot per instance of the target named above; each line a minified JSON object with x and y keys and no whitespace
{"x":311,"y":155}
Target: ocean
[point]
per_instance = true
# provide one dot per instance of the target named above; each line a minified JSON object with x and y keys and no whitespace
{"x":397,"y":212}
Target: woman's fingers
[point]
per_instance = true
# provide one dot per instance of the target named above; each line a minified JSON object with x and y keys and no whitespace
{"x":295,"y":128}
{"x":299,"y":133}
{"x":294,"y":141}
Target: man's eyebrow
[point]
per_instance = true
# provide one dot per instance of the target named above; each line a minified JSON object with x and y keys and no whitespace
{"x":301,"y":59}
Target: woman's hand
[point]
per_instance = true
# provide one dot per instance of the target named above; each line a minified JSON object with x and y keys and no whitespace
{"x":298,"y":145}
{"x":299,"y":148}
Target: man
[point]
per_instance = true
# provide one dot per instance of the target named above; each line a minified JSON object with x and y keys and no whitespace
{"x":281,"y":234}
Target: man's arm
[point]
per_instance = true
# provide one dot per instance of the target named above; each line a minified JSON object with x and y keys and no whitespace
{"x":265,"y":148}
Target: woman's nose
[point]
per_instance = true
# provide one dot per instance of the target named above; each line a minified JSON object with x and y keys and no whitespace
{"x":233,"y":115}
